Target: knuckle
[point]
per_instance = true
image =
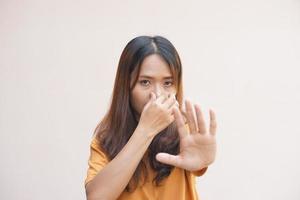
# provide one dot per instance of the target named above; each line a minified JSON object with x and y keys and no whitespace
{"x":213,"y":125}
{"x":155,"y":104}
{"x":161,"y":108}
{"x":171,"y":119}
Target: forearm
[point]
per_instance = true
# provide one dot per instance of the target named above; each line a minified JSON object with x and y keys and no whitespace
{"x":114,"y":177}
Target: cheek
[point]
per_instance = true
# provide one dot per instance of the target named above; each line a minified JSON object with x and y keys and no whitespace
{"x":138,"y":99}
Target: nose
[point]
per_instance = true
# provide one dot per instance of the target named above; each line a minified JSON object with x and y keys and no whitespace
{"x":158,"y":90}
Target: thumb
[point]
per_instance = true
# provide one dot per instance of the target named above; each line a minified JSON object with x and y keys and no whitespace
{"x":152,"y":98}
{"x":169,"y":159}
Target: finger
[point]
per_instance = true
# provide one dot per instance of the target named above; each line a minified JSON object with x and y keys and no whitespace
{"x":182,"y":131}
{"x":161,"y":98}
{"x":191,"y":118}
{"x":213,"y":122}
{"x":170,"y":101}
{"x":172,"y":107}
{"x":176,"y":104}
{"x":200,"y":120}
{"x":183,"y":113}
{"x":169,"y":159}
{"x":171,"y":118}
{"x":152,"y":98}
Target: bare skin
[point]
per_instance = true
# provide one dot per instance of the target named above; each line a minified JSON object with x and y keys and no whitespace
{"x":197,"y":148}
{"x":153,"y":99}
{"x":110,"y":182}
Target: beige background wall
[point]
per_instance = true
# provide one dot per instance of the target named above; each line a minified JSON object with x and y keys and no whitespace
{"x":57,"y":65}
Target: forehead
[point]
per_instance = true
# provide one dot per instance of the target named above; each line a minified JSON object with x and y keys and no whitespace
{"x":155,"y":66}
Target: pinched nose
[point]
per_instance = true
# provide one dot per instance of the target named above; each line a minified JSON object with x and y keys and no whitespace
{"x":159,"y":90}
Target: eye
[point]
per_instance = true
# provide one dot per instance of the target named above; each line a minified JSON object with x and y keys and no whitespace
{"x":168,"y":83}
{"x":144,"y":82}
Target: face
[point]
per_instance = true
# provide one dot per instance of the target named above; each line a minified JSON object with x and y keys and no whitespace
{"x":155,"y":76}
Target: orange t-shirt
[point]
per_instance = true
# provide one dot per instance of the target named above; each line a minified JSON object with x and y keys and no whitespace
{"x":179,"y":185}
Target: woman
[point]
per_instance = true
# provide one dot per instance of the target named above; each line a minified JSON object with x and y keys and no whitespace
{"x":148,"y":146}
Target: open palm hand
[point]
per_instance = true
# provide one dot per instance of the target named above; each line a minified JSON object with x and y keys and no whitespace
{"x":197,"y":146}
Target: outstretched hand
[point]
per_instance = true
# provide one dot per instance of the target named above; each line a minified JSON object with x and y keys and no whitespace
{"x":198,"y":146}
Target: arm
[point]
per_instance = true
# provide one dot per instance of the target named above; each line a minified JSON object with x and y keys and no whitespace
{"x":110,"y":182}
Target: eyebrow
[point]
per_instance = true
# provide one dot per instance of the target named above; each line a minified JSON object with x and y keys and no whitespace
{"x":150,"y":77}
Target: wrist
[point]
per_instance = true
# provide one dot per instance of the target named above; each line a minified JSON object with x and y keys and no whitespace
{"x":144,"y":132}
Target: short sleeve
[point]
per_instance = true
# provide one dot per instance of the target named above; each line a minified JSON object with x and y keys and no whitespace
{"x":97,"y":160}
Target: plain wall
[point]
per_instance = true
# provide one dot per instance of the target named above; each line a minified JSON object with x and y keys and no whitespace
{"x":58,"y":61}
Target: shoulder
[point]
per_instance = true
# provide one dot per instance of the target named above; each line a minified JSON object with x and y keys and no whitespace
{"x":95,"y":146}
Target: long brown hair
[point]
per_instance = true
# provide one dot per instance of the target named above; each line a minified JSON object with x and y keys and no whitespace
{"x":118,"y":124}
